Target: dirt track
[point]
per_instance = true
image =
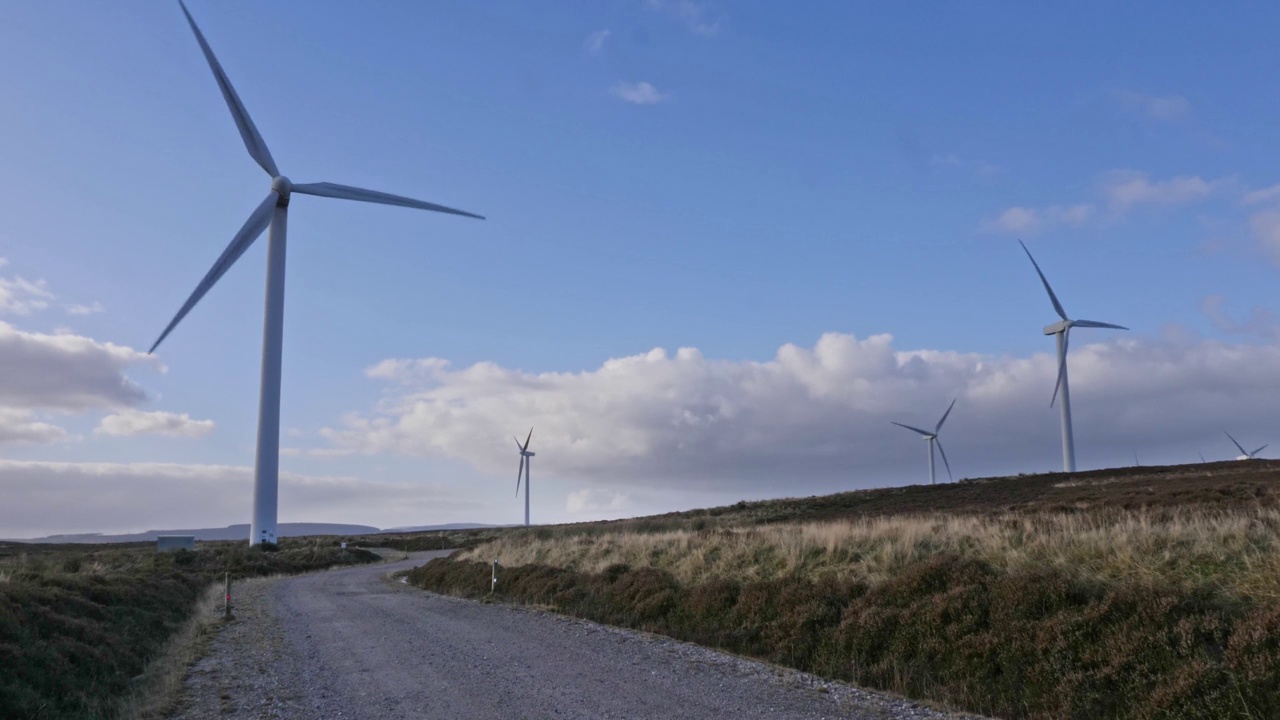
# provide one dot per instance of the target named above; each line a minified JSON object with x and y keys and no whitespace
{"x":351,"y":644}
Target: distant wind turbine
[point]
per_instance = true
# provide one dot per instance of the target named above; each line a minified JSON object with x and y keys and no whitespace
{"x":1063,"y":331}
{"x":932,"y":437}
{"x":1245,"y":454}
{"x":525,"y":462}
{"x":1202,"y":460}
{"x":273,"y":213}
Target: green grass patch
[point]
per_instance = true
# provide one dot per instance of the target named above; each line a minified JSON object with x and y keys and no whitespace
{"x":79,"y":623}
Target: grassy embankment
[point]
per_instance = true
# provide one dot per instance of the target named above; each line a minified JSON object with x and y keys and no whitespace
{"x":80,"y":623}
{"x":1136,"y":593}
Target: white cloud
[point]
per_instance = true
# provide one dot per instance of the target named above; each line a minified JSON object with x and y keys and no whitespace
{"x":1266,"y":229}
{"x":1265,"y":195}
{"x":594,"y":43}
{"x":19,"y":296}
{"x":1158,"y":107}
{"x":596,"y":501}
{"x":1125,"y":189}
{"x":20,"y":426}
{"x":692,"y":14}
{"x":42,"y":498}
{"x":69,"y":373}
{"x":640,"y":93}
{"x":814,"y":415}
{"x":1029,"y":221}
{"x":131,"y":423}
{"x":90,"y":309}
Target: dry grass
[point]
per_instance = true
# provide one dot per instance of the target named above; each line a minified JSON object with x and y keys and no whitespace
{"x":1234,"y":551}
{"x":156,"y":690}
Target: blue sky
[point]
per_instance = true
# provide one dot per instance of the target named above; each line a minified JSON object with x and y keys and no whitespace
{"x":656,"y":174}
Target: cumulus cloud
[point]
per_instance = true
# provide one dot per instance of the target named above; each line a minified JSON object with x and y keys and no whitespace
{"x":1125,"y":189}
{"x":43,"y":498}
{"x":594,"y":43}
{"x":19,"y":296}
{"x":21,"y":426}
{"x":1158,"y":107}
{"x":67,"y":372}
{"x":1261,"y":322}
{"x":640,"y":93}
{"x":130,"y":423}
{"x":90,"y":309}
{"x":1030,"y":221}
{"x":694,"y":15}
{"x":808,"y":415}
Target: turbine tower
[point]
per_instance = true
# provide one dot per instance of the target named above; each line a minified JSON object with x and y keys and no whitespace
{"x":273,"y":213}
{"x":525,"y":462}
{"x":932,"y":437}
{"x":1063,"y":332}
{"x":1245,"y":454}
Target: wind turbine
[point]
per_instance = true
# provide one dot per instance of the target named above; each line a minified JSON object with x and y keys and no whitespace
{"x":1063,"y":332}
{"x":1245,"y":454}
{"x":273,"y":213}
{"x":932,"y":437}
{"x":525,"y":462}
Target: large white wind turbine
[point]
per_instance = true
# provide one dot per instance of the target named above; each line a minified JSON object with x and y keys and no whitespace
{"x":1063,"y":331}
{"x":525,"y":462}
{"x":273,"y":213}
{"x":932,"y":437}
{"x":1245,"y":454}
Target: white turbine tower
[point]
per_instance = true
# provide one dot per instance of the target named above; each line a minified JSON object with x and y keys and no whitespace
{"x":273,"y":213}
{"x":932,"y":437}
{"x":1063,"y":332}
{"x":1245,"y":454}
{"x":525,"y":462}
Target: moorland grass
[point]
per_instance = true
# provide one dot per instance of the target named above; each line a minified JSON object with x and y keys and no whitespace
{"x":1088,"y":597}
{"x":79,"y":624}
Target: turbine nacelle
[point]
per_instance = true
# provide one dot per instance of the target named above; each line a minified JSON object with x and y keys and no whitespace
{"x":1060,"y":326}
{"x":282,"y":186}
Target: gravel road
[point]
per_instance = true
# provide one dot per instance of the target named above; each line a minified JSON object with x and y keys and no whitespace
{"x":351,"y":643}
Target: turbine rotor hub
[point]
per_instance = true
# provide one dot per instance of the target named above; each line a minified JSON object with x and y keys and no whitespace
{"x":283,"y":187}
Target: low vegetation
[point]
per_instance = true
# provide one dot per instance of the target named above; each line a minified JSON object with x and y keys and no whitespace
{"x":79,"y":624}
{"x":1143,"y":593}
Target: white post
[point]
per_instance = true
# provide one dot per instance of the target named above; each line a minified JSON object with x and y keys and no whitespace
{"x":1068,"y":442}
{"x":527,"y":463}
{"x":493,"y":585}
{"x":266,"y":476}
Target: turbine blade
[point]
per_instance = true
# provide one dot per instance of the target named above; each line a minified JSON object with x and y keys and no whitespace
{"x":1202,"y":460}
{"x":513,"y":437}
{"x":944,"y":460}
{"x":1062,"y":366}
{"x":1255,"y":452}
{"x":346,"y":192}
{"x":1054,"y":298}
{"x":253,"y":141}
{"x":1096,"y":324}
{"x":519,"y":474}
{"x":1233,"y":441}
{"x":944,"y":416}
{"x":253,"y":227}
{"x":526,"y":440}
{"x":925,"y":433}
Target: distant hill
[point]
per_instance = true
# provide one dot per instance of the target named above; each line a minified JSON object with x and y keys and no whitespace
{"x":231,"y":532}
{"x":449,"y":526}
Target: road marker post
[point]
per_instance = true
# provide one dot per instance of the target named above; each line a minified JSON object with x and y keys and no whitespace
{"x":493,"y":585}
{"x":226,"y":606}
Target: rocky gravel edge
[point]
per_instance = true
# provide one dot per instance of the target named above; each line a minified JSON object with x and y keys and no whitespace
{"x":860,"y":703}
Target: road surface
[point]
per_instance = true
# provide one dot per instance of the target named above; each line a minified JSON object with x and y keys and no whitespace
{"x":351,"y":643}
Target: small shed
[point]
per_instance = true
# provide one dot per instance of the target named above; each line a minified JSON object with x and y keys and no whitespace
{"x":168,"y":543}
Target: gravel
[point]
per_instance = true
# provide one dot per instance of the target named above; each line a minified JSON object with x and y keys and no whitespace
{"x":352,"y":643}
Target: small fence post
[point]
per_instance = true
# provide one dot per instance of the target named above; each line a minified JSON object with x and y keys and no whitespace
{"x":227,"y":603}
{"x":493,"y":585}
